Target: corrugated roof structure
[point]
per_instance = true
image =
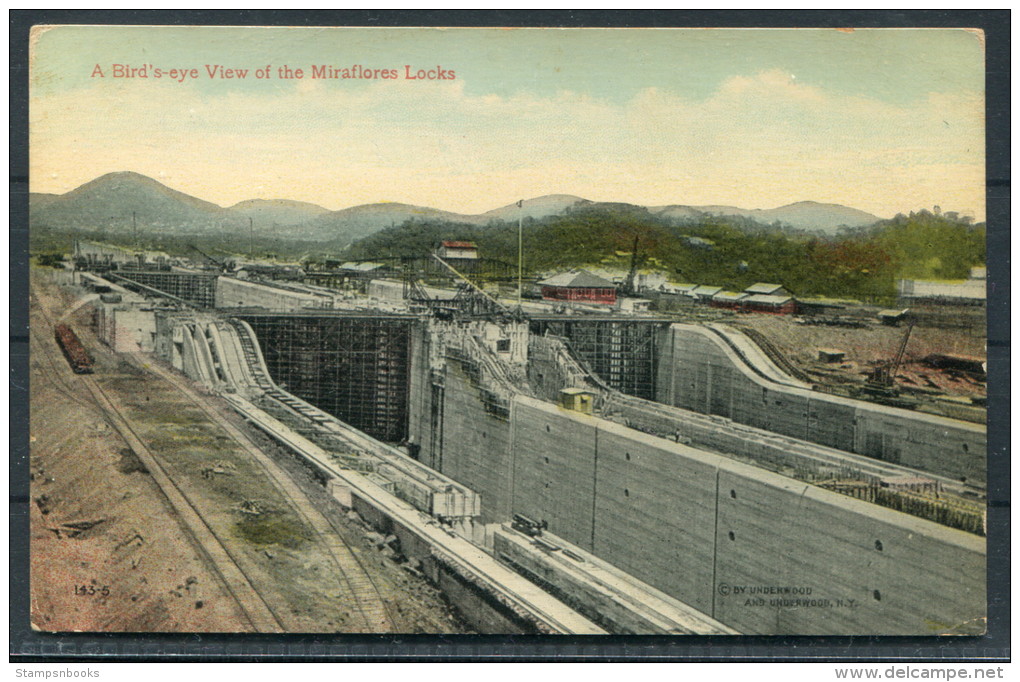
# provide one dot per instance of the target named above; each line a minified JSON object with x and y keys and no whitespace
{"x":766,"y":288}
{"x":729,"y":296}
{"x":766,"y":299}
{"x":971,"y":289}
{"x":360,"y":267}
{"x":679,"y":288}
{"x":577,"y":279}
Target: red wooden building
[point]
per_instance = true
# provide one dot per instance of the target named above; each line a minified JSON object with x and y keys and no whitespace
{"x":765,"y":297}
{"x":764,"y":303}
{"x":578,"y":286}
{"x":730,"y":300}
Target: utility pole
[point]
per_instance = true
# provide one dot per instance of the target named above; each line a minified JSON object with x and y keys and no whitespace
{"x":134,"y":227}
{"x":520,"y":251}
{"x":251,"y":239}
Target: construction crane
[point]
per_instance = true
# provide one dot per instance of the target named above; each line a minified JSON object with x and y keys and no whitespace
{"x":880,"y":385}
{"x":470,"y":296}
{"x":628,"y":284}
{"x":212,"y":260}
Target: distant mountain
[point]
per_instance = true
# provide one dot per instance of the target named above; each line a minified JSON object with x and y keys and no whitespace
{"x":539,"y":207}
{"x":110,"y":203}
{"x":803,"y":215}
{"x":356,"y":222}
{"x":277,"y":212}
{"x":37,"y":200}
{"x":811,"y":215}
{"x":113,"y":201}
{"x":678,"y":212}
{"x":351,"y":224}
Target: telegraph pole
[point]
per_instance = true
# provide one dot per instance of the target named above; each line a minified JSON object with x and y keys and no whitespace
{"x":251,"y":239}
{"x":520,"y":251}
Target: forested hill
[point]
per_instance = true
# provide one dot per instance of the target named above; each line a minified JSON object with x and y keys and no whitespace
{"x":727,"y":251}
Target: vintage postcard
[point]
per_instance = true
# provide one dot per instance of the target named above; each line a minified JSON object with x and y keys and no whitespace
{"x":476,"y":330}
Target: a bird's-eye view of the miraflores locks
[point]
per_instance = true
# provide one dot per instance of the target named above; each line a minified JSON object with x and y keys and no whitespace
{"x":619,"y":331}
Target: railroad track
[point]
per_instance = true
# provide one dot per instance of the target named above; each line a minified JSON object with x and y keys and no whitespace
{"x":774,"y":354}
{"x":236,"y":582}
{"x":365,"y":593}
{"x":374,"y":612}
{"x":251,"y":605}
{"x":253,"y":356}
{"x":454,"y":549}
{"x":446,"y":545}
{"x":259,"y":613}
{"x":52,"y":369}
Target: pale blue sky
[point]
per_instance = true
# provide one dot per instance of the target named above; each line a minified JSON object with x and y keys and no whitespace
{"x":884,"y":120}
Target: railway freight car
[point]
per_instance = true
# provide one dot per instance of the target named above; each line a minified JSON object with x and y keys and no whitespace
{"x":77,"y":356}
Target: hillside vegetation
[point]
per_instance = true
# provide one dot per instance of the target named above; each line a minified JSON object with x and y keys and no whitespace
{"x":801,"y":246}
{"x":728,"y":251}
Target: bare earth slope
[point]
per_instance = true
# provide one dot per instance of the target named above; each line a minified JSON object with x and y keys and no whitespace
{"x":112,"y":464}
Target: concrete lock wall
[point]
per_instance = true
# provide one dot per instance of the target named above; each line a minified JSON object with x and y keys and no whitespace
{"x":419,"y":398}
{"x":236,"y":293}
{"x":699,"y":372}
{"x":664,"y":512}
{"x":126,"y":330}
{"x":198,"y":288}
{"x":454,"y":432}
{"x":475,"y":444}
{"x":554,"y":465}
{"x":801,"y":559}
{"x":462,"y":440}
{"x":839,"y":565}
{"x":646,"y":491}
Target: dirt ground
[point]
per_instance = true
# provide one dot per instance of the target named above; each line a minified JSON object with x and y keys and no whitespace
{"x":108,"y":553}
{"x":866,"y":347}
{"x":132,"y":571}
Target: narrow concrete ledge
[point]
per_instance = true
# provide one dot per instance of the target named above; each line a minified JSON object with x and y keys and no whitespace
{"x":614,"y":599}
{"x":522,"y":598}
